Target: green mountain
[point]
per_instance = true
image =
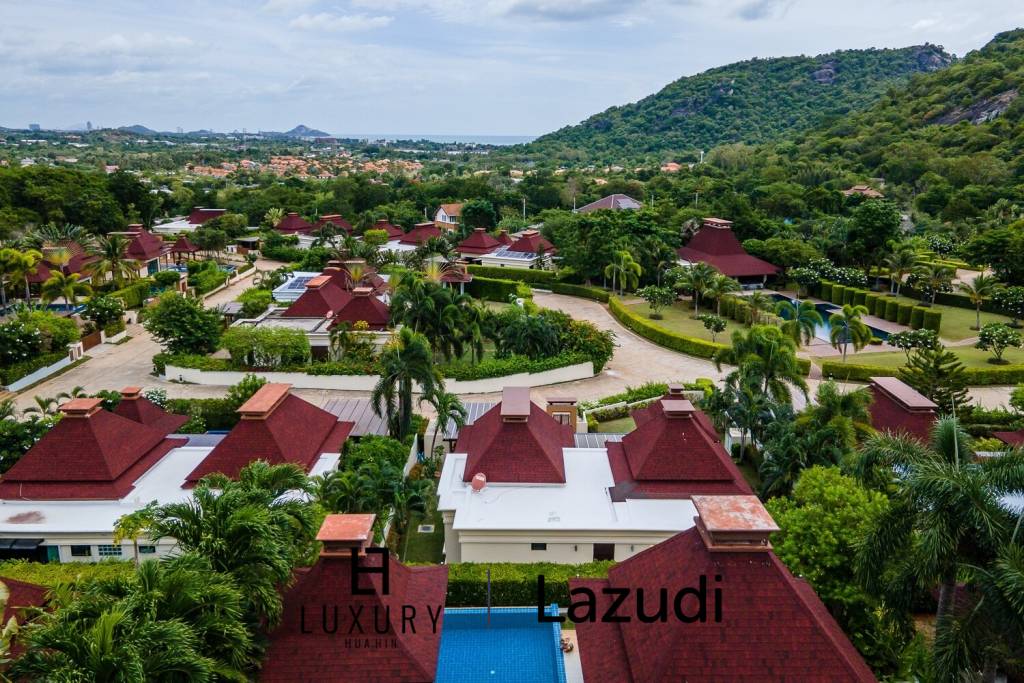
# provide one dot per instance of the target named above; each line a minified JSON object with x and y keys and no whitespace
{"x":759,"y":100}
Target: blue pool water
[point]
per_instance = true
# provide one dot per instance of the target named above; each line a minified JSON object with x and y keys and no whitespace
{"x":822,"y":331}
{"x":515,"y":647}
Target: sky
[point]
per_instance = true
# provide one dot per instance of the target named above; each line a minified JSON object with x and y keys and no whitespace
{"x":471,"y":67}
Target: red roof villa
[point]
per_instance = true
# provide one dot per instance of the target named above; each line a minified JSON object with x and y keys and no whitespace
{"x":61,"y":500}
{"x":479,"y":242}
{"x":898,"y":408}
{"x":335,"y":220}
{"x":293,"y":224}
{"x":393,"y":231}
{"x":763,"y":624}
{"x":716,"y":245}
{"x":420,"y":233}
{"x":521,"y":486}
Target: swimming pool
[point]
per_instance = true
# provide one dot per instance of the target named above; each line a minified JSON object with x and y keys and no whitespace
{"x":822,"y":331}
{"x":515,"y":647}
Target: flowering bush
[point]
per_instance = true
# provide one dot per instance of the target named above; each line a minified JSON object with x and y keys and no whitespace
{"x":19,"y":342}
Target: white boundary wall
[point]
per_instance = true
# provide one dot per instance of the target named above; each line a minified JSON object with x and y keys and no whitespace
{"x":300,"y":380}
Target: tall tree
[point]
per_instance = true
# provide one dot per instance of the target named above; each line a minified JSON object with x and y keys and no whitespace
{"x":405,"y":360}
{"x":624,"y":271}
{"x":67,"y":287}
{"x":848,"y":328}
{"x":110,"y":259}
{"x":799,"y":320}
{"x":697,"y":279}
{"x":765,"y":355}
{"x":979,"y":289}
{"x":939,"y":375}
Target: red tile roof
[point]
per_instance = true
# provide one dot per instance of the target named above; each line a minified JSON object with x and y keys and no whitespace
{"x":420,"y":233}
{"x":334,"y":219}
{"x":454,"y":210}
{"x":90,"y":454}
{"x":145,"y":246}
{"x":199,"y":215}
{"x":478,"y":242}
{"x":715,"y":244}
{"x":615,"y":202}
{"x":293,"y":223}
{"x":278,"y":428}
{"x":21,"y":594}
{"x":322,"y":299}
{"x":42,"y":273}
{"x":184,"y":246}
{"x":363,"y":305}
{"x":504,"y":237}
{"x":393,"y":231}
{"x":301,"y":650}
{"x":672,"y":457}
{"x":1011,"y":438}
{"x":889,"y":413}
{"x":506,"y":448}
{"x":772,"y":628}
{"x":530,"y":242}
{"x":140,"y":409}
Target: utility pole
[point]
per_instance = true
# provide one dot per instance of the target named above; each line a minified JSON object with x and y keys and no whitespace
{"x":524,"y":208}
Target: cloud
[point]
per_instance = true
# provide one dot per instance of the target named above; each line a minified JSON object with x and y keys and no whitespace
{"x":286,"y":5}
{"x":547,"y":11}
{"x":760,"y":9}
{"x":325,"y":21}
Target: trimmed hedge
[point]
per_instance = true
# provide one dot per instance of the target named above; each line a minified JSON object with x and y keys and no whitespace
{"x":500,"y":367}
{"x":13,"y":373}
{"x":492,"y":289}
{"x":917,"y":318}
{"x":592,"y":293}
{"x":134,"y":295}
{"x":515,"y":585}
{"x":859,"y":296}
{"x":849,"y":295}
{"x":838,"y":292}
{"x":871,"y":303}
{"x":661,"y":336}
{"x":53,"y":574}
{"x":932,"y":320}
{"x":977,"y":377}
{"x":904,"y":313}
{"x":533,"y":277}
{"x":892,"y":310}
{"x":825,"y":291}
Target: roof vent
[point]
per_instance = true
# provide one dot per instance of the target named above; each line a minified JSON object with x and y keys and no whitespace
{"x":515,"y":404}
{"x":264,"y":401}
{"x":362,"y":291}
{"x":131,"y":393}
{"x":340,"y":533}
{"x":293,"y":213}
{"x":676,"y":389}
{"x":318,"y":281}
{"x":677,"y":409}
{"x":711,"y":222}
{"x":479,"y":482}
{"x":737,"y":524}
{"x":82,"y":407}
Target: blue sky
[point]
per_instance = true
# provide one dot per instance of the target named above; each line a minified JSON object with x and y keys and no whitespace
{"x":516,"y":67}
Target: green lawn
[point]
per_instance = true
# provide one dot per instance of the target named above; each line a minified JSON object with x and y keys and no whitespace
{"x":969,"y":356}
{"x":749,"y":471}
{"x":424,"y":547}
{"x":957,"y":322}
{"x":679,"y":318}
{"x":623,"y":425}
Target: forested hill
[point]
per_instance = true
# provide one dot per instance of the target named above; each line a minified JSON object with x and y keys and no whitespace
{"x":759,"y":100}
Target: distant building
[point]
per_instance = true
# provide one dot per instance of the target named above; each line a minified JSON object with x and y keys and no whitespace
{"x":863,"y":191}
{"x":190,"y":223}
{"x":448,"y":216}
{"x":716,"y":245}
{"x":614,"y":202}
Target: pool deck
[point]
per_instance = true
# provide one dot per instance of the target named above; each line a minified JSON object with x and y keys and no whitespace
{"x":573,"y":665}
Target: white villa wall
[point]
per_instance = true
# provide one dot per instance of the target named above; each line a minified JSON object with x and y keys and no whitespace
{"x":562,"y":548}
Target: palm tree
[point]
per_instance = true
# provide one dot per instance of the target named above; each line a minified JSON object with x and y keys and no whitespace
{"x":448,"y":408}
{"x":109,"y":252}
{"x":273,"y":216}
{"x":44,"y":406}
{"x":74,"y":392}
{"x":8,"y":409}
{"x":133,"y":525}
{"x":718,"y":288}
{"x":900,"y":262}
{"x":8,"y":258}
{"x":408,"y":496}
{"x":848,"y":328}
{"x":405,"y":360}
{"x":800,"y":320}
{"x":412,"y":303}
{"x":22,"y":265}
{"x":934,"y":278}
{"x":766,"y":357}
{"x":848,"y":413}
{"x":67,"y":287}
{"x":946,"y":511}
{"x":759,"y":303}
{"x":623,"y":270}
{"x":697,"y":279}
{"x":980,"y":288}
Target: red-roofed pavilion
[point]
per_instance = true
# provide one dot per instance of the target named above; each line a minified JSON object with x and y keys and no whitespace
{"x":716,"y":245}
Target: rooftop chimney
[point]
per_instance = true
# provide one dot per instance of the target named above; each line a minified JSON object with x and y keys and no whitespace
{"x":362,"y":291}
{"x":677,"y":409}
{"x":293,"y":213}
{"x":712,"y":222}
{"x":733,"y":524}
{"x":263,"y":402}
{"x":318,"y":281}
{"x":563,"y":409}
{"x":82,"y":407}
{"x":131,"y":393}
{"x":515,"y":404}
{"x":676,"y":389}
{"x":906,"y":396}
{"x":340,"y":533}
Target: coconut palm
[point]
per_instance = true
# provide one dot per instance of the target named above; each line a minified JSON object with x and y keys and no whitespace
{"x":448,"y":408}
{"x":624,"y":271}
{"x":800,"y":319}
{"x":44,"y":405}
{"x":74,"y":392}
{"x":946,"y":512}
{"x":900,"y":262}
{"x":848,"y":328}
{"x":847,"y":412}
{"x":697,"y":279}
{"x":760,"y":303}
{"x":8,"y":258}
{"x":273,"y":216}
{"x":67,"y":287}
{"x":412,"y":302}
{"x":8,"y":409}
{"x":718,"y":288}
{"x":22,"y":265}
{"x":53,"y":234}
{"x":109,"y":253}
{"x":408,"y":496}
{"x":933,"y":279}
{"x":405,"y":360}
{"x":766,"y":357}
{"x":980,"y":288}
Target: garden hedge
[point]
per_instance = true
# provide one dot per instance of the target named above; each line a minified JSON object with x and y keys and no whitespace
{"x":593,"y":293}
{"x":849,"y":294}
{"x":904,"y":313}
{"x":859,"y":296}
{"x":661,"y":336}
{"x":870,"y":302}
{"x":892,"y":310}
{"x":534,"y":277}
{"x":728,"y":307}
{"x":500,"y":367}
{"x":917,"y":318}
{"x":838,"y":292}
{"x":16,"y":371}
{"x":825,"y":291}
{"x":492,"y":289}
{"x":932,"y":320}
{"x":995,"y":375}
{"x":515,"y":585}
{"x":135,"y":294}
{"x":741,"y":311}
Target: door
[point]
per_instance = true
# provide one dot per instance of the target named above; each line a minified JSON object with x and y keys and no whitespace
{"x":604,"y":551}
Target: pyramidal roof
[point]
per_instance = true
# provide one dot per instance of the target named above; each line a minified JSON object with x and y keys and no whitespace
{"x":301,"y":650}
{"x":531,"y":242}
{"x":716,"y":244}
{"x":91,"y":453}
{"x":769,"y":626}
{"x":363,"y":306}
{"x":199,"y":215}
{"x":479,"y":242}
{"x":393,"y":231}
{"x":515,"y":441}
{"x":321,"y":299}
{"x":420,"y":233}
{"x":183,"y":245}
{"x":334,"y":219}
{"x":138,"y":408}
{"x":278,"y":428}
{"x":293,"y":223}
{"x":144,"y":245}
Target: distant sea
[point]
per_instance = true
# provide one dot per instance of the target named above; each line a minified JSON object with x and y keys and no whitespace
{"x":464,"y":139}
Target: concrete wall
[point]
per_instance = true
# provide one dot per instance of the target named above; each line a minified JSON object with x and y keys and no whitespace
{"x":563,"y":546}
{"x":40,"y":374}
{"x":301,"y":380}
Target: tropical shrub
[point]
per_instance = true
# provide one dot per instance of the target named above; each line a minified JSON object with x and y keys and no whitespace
{"x":183,"y":325}
{"x":997,"y":337}
{"x":266,"y":348}
{"x":57,"y":331}
{"x":103,"y":310}
{"x":19,"y":342}
{"x":254,"y":301}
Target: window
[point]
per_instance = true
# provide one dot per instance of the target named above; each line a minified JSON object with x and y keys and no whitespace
{"x":538,"y":546}
{"x":147,"y":550}
{"x":604,"y":551}
{"x":81,"y":551}
{"x":109,"y":550}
